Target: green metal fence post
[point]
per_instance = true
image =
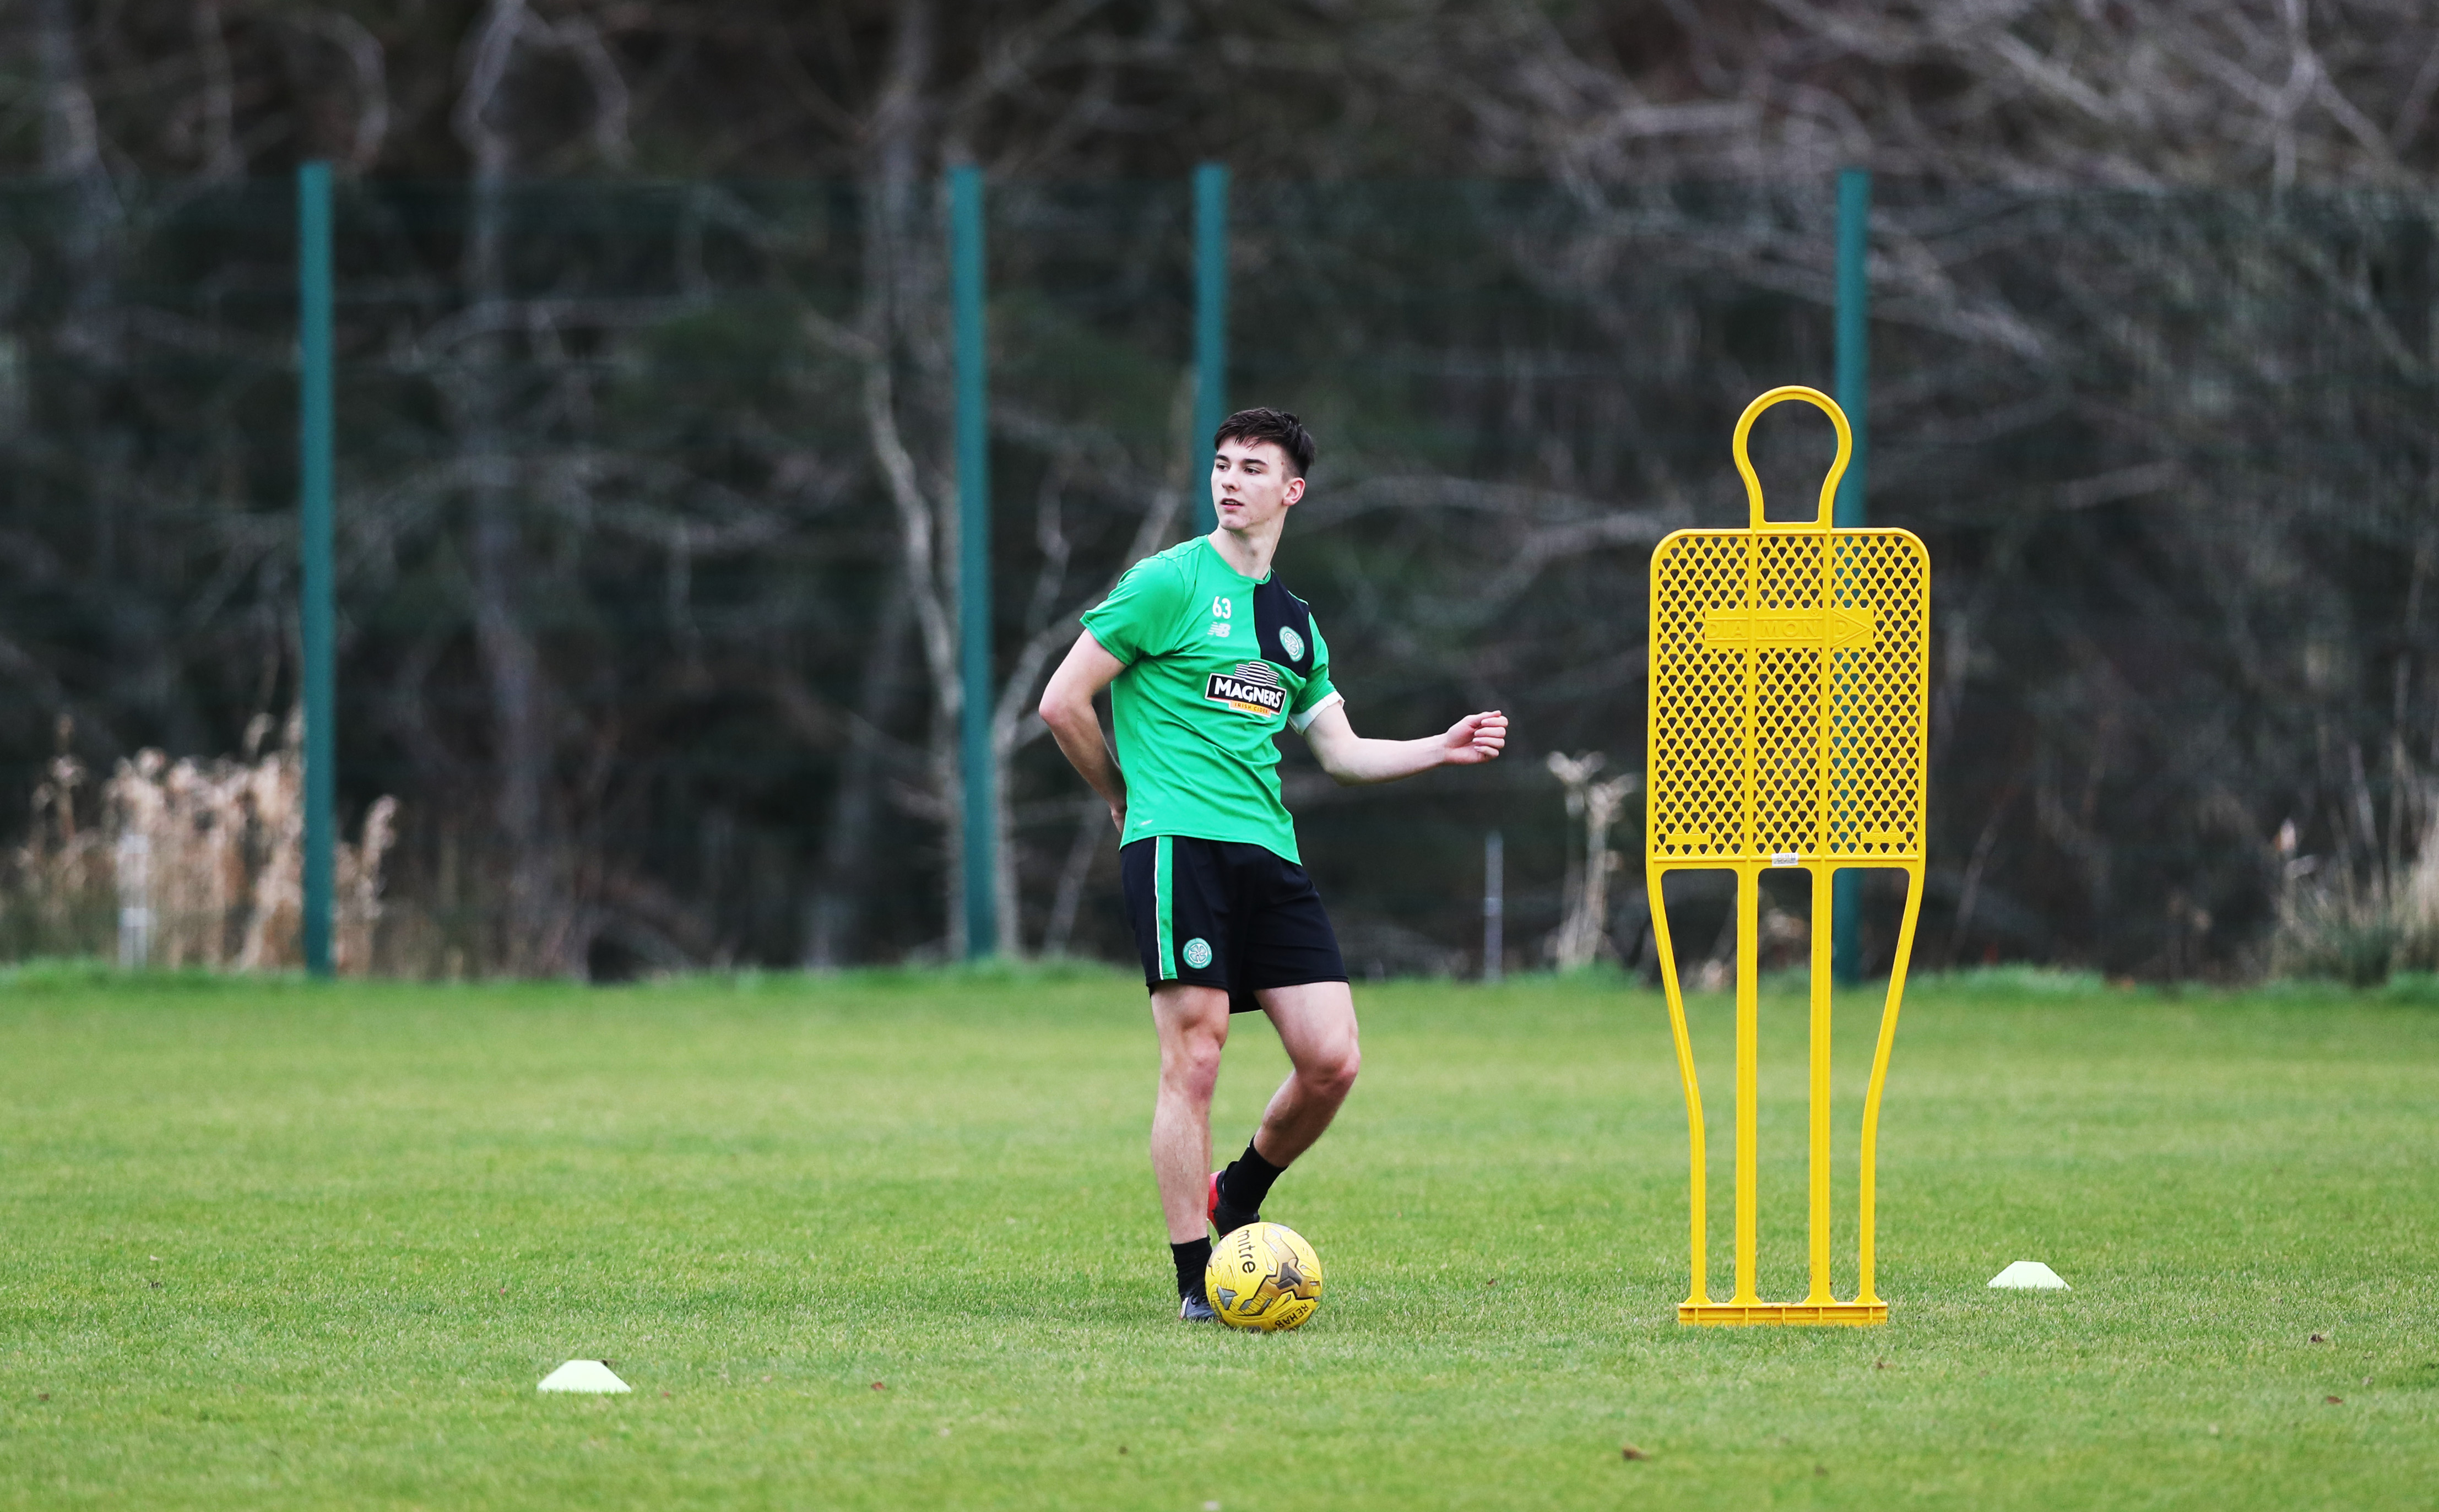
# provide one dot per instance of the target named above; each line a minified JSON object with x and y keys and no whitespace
{"x":318,"y":680}
{"x":973,"y":557}
{"x":1210,"y":327}
{"x":1855,"y":397}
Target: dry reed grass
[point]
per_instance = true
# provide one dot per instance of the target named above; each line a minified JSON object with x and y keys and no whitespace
{"x":188,"y":863}
{"x":1582,"y":936}
{"x":2359,"y":925}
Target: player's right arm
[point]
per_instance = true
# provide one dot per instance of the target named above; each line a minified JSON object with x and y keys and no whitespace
{"x":1138,"y":619}
{"x":1067,"y":708}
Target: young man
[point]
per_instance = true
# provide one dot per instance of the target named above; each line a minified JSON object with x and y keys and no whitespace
{"x":1212,"y":659}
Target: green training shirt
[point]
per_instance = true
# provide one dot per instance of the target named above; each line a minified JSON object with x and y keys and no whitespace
{"x":1217,"y":665}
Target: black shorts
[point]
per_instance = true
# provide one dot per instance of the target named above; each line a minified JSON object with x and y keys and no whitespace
{"x":1223,"y":913}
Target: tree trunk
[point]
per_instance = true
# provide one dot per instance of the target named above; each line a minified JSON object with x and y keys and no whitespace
{"x":834,"y":918}
{"x":927,"y":523}
{"x":537,"y":937}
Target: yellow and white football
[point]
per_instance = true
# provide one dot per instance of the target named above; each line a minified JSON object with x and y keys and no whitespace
{"x":1263,"y":1277}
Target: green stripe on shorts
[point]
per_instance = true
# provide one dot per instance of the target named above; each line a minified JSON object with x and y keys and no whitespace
{"x":1160,"y":908}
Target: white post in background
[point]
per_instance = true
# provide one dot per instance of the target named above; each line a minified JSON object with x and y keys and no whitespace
{"x":1494,"y":906}
{"x":133,"y":861}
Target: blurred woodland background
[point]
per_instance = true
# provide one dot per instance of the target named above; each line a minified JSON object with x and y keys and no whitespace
{"x":645,"y":504}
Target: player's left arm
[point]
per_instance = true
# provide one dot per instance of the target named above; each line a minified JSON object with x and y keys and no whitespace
{"x":1351,"y":759}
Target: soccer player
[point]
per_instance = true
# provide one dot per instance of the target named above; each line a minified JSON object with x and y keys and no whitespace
{"x":1208,"y":658}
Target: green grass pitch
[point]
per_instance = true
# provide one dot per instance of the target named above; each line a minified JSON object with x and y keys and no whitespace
{"x":889,"y":1242}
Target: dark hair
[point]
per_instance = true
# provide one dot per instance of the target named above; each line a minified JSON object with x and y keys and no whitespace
{"x":1277,"y":427}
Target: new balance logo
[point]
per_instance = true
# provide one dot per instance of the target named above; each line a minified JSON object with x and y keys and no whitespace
{"x":1252,"y":688}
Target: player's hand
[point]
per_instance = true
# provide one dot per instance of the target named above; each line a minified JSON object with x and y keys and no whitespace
{"x":1474,"y":739}
{"x":1118,"y":817}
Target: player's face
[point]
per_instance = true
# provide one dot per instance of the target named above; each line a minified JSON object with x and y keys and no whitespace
{"x":1252,"y":484}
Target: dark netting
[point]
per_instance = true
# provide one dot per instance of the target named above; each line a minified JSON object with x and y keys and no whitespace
{"x":645,"y":513}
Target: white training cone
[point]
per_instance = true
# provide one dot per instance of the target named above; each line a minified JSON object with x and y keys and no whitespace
{"x":2029,"y":1275}
{"x":582,"y":1375}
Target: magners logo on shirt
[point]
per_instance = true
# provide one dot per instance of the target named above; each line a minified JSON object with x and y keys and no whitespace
{"x":1252,"y":688}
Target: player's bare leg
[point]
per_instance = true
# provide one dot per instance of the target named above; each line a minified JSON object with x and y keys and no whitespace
{"x":1316,"y":1024}
{"x":1193,"y":1022}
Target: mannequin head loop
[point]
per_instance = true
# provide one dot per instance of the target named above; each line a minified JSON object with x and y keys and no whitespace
{"x":1837,"y":470}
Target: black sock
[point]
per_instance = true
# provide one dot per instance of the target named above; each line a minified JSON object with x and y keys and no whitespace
{"x":1192,"y":1257}
{"x":1246,"y":1183}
